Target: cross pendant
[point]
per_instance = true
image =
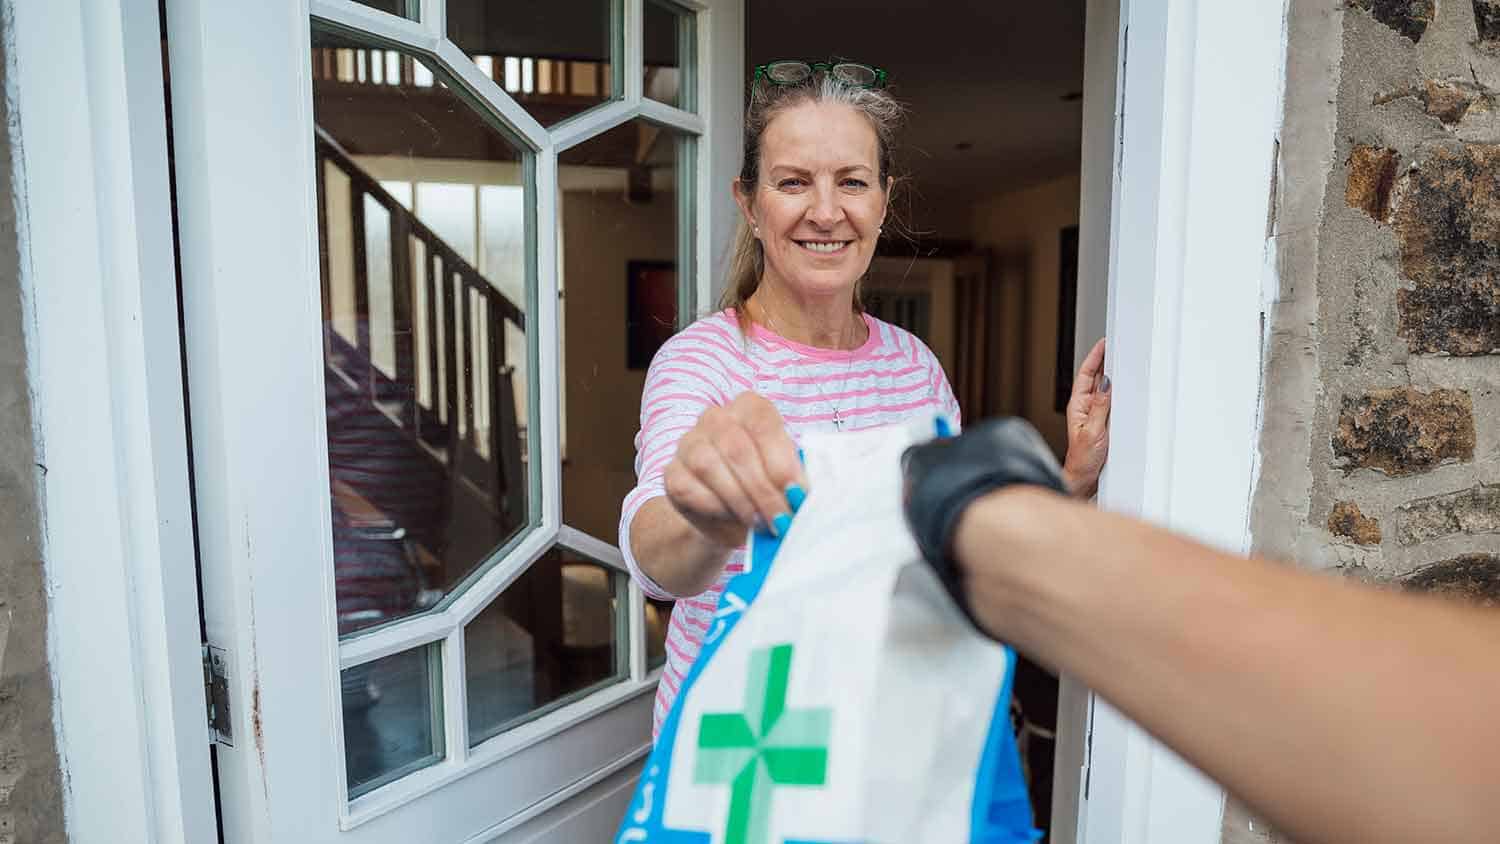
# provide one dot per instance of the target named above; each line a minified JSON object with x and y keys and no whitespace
{"x":838,"y":424}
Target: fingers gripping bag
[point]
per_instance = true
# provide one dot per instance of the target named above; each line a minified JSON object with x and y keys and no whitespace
{"x":840,"y":696}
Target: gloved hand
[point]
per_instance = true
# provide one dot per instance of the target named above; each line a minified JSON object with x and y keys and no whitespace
{"x":944,"y":476}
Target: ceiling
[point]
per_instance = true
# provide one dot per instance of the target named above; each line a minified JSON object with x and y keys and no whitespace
{"x":1000,"y":75}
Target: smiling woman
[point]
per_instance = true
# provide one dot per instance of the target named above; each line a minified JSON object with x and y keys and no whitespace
{"x":790,"y":350}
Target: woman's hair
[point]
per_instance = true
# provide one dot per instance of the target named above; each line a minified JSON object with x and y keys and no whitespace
{"x":747,"y":259}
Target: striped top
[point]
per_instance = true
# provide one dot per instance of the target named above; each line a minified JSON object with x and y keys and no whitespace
{"x":890,"y":378}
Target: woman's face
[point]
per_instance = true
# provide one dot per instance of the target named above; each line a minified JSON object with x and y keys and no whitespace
{"x":819,"y":204}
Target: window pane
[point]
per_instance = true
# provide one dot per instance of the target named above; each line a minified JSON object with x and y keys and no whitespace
{"x":658,"y":614}
{"x":621,"y":233}
{"x":405,"y":8}
{"x":393,"y":717}
{"x":669,"y":40}
{"x":555,"y":57}
{"x":552,"y":636}
{"x":426,"y":349}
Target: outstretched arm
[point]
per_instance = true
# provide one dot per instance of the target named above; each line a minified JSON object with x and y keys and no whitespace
{"x":1339,"y":712}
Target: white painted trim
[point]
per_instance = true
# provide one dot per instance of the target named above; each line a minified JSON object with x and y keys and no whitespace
{"x":398,"y":30}
{"x":99,"y":291}
{"x":560,"y":797}
{"x":434,"y":14}
{"x":1103,"y":39}
{"x":670,"y":116}
{"x":598,"y":549}
{"x":632,"y":64}
{"x":721,"y":91}
{"x":404,"y":791}
{"x":596,"y":121}
{"x":492,"y":96}
{"x":1199,"y":114}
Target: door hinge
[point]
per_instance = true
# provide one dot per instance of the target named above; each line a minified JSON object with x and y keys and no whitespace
{"x":216,"y":692}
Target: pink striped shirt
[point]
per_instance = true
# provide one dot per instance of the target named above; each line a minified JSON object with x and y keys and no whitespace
{"x":890,"y":378}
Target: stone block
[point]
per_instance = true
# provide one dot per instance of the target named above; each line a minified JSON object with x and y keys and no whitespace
{"x":1474,"y":578}
{"x":1450,"y":100}
{"x":1404,"y":431}
{"x":1487,"y":20}
{"x":1408,"y":17}
{"x":1472,"y":511}
{"x":1348,"y":521}
{"x":1447,"y":222}
{"x":1372,"y":175}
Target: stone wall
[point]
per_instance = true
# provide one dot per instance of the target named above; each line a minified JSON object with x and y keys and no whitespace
{"x":1381,"y":442}
{"x":31,"y":809}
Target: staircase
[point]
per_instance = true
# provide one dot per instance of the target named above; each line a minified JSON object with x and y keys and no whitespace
{"x":436,"y":442}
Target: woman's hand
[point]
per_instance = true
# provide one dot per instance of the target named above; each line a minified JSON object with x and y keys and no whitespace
{"x":737,"y":468}
{"x":1088,"y":426}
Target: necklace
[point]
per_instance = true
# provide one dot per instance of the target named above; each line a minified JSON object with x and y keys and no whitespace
{"x":838,"y":420}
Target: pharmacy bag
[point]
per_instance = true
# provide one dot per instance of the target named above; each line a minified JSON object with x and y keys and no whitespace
{"x":840,"y":696}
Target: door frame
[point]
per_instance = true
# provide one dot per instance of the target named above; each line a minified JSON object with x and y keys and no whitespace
{"x":1174,"y":212}
{"x":1187,"y":202}
{"x":104,"y":359}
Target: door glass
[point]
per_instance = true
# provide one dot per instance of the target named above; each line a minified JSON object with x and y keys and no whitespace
{"x":555,"y":57}
{"x":426,"y":280}
{"x":393,"y":717}
{"x":658,"y":614}
{"x":405,"y":8}
{"x":669,"y":40}
{"x":552,"y":636}
{"x":622,"y":229}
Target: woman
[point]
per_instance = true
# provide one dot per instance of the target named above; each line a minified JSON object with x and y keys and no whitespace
{"x":790,"y":351}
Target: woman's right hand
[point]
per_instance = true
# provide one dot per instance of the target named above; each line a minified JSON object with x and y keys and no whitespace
{"x":736,"y":469}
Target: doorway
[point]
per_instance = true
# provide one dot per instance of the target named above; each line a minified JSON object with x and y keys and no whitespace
{"x":985,"y":257}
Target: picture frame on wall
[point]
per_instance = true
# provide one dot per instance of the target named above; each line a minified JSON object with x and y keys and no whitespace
{"x":1067,"y":313}
{"x":650,"y":309}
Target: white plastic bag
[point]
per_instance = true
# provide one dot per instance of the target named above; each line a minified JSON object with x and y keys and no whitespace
{"x":840,"y":695}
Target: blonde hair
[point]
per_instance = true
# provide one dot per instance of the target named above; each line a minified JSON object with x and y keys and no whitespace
{"x":747,"y":261}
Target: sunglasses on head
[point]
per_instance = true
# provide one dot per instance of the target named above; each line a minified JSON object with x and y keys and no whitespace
{"x":796,"y":72}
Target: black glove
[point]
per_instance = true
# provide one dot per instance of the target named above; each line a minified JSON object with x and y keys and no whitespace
{"x":944,"y":476}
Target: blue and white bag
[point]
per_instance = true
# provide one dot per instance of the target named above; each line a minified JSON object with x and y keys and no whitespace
{"x":840,"y":696}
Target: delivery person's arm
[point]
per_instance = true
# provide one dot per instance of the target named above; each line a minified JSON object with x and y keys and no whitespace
{"x":1341,"y":713}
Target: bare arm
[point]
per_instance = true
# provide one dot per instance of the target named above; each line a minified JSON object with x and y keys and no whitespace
{"x":1341,"y":713}
{"x":678,"y":556}
{"x":731,"y":472}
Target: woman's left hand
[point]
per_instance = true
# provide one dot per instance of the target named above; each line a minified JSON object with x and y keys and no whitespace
{"x":1088,"y":425}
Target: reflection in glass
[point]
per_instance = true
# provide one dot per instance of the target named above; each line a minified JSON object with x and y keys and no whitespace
{"x":669,"y":47}
{"x":555,"y":58}
{"x":426,"y":349}
{"x":393,"y":717}
{"x":658,"y":613}
{"x":621,"y":226}
{"x":551,"y":636}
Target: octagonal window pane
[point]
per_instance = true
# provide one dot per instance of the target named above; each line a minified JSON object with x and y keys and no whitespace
{"x":557,"y":58}
{"x":623,"y":225}
{"x":426,"y":283}
{"x":554,"y":635}
{"x":669,"y":41}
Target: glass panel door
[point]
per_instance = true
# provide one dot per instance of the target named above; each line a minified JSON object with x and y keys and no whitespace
{"x":416,"y":237}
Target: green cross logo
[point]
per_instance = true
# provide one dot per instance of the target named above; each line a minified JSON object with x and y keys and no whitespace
{"x":765,"y":746}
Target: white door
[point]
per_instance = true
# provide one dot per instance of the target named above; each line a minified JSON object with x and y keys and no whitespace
{"x":426,"y":249}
